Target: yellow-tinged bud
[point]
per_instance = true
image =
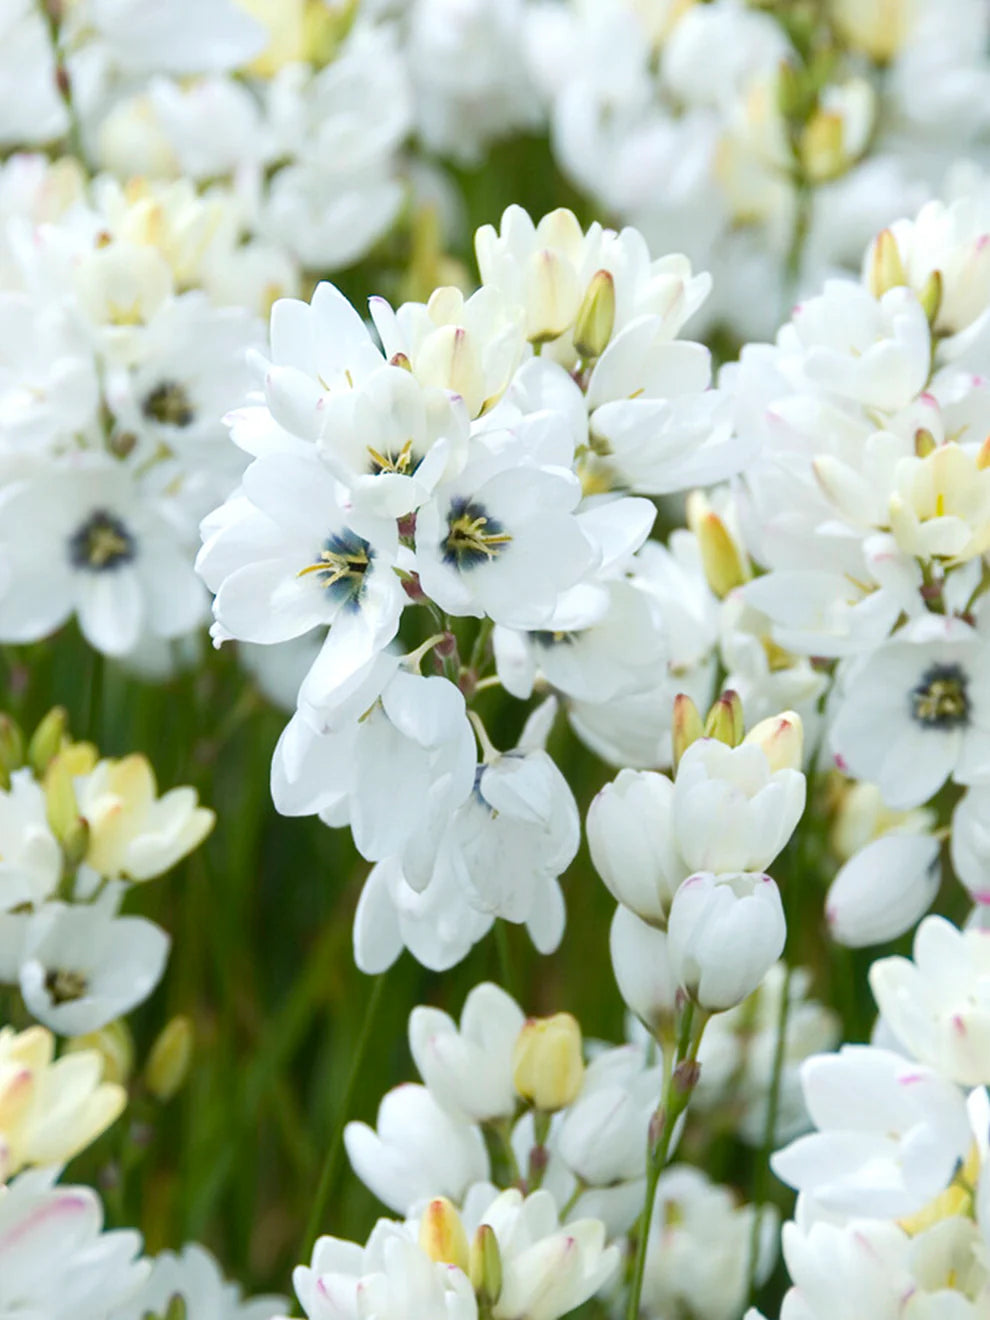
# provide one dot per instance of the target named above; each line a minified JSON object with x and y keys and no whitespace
{"x":62,"y":810}
{"x":725,"y":720}
{"x":595,"y":319}
{"x":175,"y":1310}
{"x":442,"y":1236}
{"x":724,"y":566}
{"x":886,"y":269}
{"x":485,"y":1268}
{"x":547,"y":1067}
{"x":781,"y":738}
{"x":168,"y":1062}
{"x":983,"y":455}
{"x":924,"y":442}
{"x":11,"y":748}
{"x":47,"y":739}
{"x":687,"y":726}
{"x":957,"y":1199}
{"x":930,"y":296}
{"x":115,"y":1046}
{"x":792,"y":93}
{"x":822,"y":146}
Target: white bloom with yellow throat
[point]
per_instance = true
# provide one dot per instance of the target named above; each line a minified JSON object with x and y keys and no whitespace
{"x":133,"y":833}
{"x":50,"y":1109}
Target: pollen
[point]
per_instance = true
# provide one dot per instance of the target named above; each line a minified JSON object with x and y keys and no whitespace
{"x":65,"y":987}
{"x":404,"y":462}
{"x":101,"y":543}
{"x":472,"y":537}
{"x":341,"y":565}
{"x":941,"y":701}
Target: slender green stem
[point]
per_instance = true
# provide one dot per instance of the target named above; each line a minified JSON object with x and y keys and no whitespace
{"x":332,"y":1159}
{"x":769,"y":1128}
{"x":678,"y":1087}
{"x":93,"y":717}
{"x":505,"y":964}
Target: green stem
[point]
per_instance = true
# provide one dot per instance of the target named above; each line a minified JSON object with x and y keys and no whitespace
{"x":678,"y":1088}
{"x":769,"y":1128}
{"x":332,"y":1159}
{"x":93,"y":716}
{"x":505,"y":964}
{"x":51,"y":13}
{"x":803,"y":200}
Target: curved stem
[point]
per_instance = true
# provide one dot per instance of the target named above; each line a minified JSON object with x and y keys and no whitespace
{"x":677,"y":1091}
{"x":332,"y":1159}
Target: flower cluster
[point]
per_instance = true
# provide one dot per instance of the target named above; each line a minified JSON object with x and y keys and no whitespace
{"x":474,"y":462}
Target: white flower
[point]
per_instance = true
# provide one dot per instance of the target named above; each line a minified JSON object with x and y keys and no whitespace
{"x":286,"y":554}
{"x":890,"y":1134}
{"x":970,"y":843}
{"x":723,"y":934}
{"x":54,"y":1260}
{"x":502,"y":540}
{"x":631,"y":836}
{"x":30,"y":858}
{"x":81,"y":966}
{"x":195,"y":1276}
{"x":133,"y":833}
{"x":698,"y":1256}
{"x":602,"y":1133}
{"x":937,"y":1004}
{"x":470,"y":347}
{"x":884,"y":889}
{"x":731,"y":810}
{"x":469,"y":1071}
{"x":642,"y":970}
{"x":917,"y":711}
{"x":546,"y":1271}
{"x":418,"y":1150}
{"x":84,"y":539}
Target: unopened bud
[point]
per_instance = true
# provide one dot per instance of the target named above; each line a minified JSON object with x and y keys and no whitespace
{"x":686,"y":1075}
{"x":62,"y":810}
{"x":723,"y":565}
{"x":442,"y":1236}
{"x":822,"y":147}
{"x":924,"y":442}
{"x":886,"y":267}
{"x":930,"y":296}
{"x":400,"y":360}
{"x":168,"y":1062}
{"x":983,"y":455}
{"x":547,"y":1067}
{"x":485,"y":1266}
{"x":792,"y":93}
{"x":175,"y":1310}
{"x":115,"y":1046}
{"x":596,"y":316}
{"x":782,"y":739}
{"x":47,"y":739}
{"x":687,"y":726}
{"x":725,"y":720}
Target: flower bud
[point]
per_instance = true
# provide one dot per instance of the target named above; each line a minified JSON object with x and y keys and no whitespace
{"x":725,"y":720}
{"x":596,"y":316}
{"x":687,"y":726}
{"x":547,"y":1067}
{"x":47,"y":739}
{"x":725,"y":933}
{"x":782,"y":739}
{"x":631,"y":838}
{"x":641,"y":966}
{"x":723,"y":563}
{"x":169,"y":1059}
{"x":62,"y":810}
{"x":924,"y":442}
{"x":485,"y":1266}
{"x":883,"y":890}
{"x":822,"y":146}
{"x":930,"y":296}
{"x":441,"y":1234}
{"x":886,"y":267}
{"x":115,"y":1046}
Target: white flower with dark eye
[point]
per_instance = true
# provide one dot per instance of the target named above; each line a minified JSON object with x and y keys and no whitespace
{"x":285,"y":555}
{"x":81,"y":965}
{"x":85,"y":539}
{"x":503,"y":540}
{"x":916,"y":711}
